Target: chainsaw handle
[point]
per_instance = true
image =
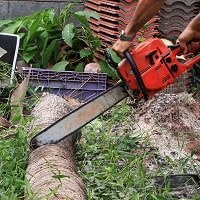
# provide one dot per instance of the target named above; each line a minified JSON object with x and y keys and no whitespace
{"x":137,"y":74}
{"x":176,"y":50}
{"x":176,"y":47}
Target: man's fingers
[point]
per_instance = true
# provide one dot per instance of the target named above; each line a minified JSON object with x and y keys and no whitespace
{"x":191,"y":47}
{"x":195,"y":46}
{"x":121,"y":46}
{"x":188,"y":47}
{"x":184,"y":47}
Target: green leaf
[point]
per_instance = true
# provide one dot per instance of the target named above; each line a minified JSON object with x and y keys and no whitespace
{"x":68,"y":33}
{"x":80,"y":67}
{"x":48,"y":52}
{"x":110,"y":71}
{"x":16,"y":118}
{"x":96,"y":42}
{"x":12,"y":28}
{"x":83,"y":20}
{"x":85,"y":52}
{"x":114,"y":56}
{"x":66,"y":13}
{"x":51,"y":15}
{"x":59,"y":176}
{"x":60,"y":66}
{"x":141,"y":39}
{"x":68,"y":7}
{"x":31,"y":48}
{"x":87,"y":14}
{"x":56,"y":52}
{"x":5,"y":22}
{"x":126,"y":155}
{"x":34,"y":30}
{"x":29,"y":53}
{"x":83,"y":17}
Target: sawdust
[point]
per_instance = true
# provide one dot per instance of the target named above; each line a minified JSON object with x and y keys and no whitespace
{"x":172,"y":124}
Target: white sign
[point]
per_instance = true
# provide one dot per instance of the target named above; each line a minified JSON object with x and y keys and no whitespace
{"x":9,"y":45}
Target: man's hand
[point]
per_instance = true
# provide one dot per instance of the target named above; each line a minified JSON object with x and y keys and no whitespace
{"x":186,"y":42}
{"x":188,"y":37}
{"x":121,"y":46}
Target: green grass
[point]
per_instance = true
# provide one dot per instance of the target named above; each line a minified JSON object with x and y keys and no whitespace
{"x":107,"y":164}
{"x":13,"y":161}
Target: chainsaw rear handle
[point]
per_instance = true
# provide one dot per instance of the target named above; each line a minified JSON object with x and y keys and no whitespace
{"x":176,"y":49}
{"x":137,"y":74}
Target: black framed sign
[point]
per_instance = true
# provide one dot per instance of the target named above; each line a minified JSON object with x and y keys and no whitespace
{"x":9,"y":45}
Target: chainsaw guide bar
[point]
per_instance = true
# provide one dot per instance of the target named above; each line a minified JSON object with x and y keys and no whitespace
{"x":80,"y":116}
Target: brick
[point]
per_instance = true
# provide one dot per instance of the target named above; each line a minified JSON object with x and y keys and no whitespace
{"x":3,"y":9}
{"x":16,"y":8}
{"x":22,"y":8}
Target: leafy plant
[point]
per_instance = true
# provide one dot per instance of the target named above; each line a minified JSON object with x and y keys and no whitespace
{"x":49,"y":39}
{"x":109,"y":67}
{"x":5,"y":71}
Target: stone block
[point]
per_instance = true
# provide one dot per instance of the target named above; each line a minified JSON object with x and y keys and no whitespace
{"x":3,"y":9}
{"x":22,"y":8}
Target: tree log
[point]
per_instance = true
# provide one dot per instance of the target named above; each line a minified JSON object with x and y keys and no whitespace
{"x":51,"y":170}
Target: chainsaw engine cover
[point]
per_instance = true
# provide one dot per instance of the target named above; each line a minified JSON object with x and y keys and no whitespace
{"x":150,"y":58}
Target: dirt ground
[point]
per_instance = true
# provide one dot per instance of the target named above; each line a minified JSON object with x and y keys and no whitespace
{"x":172,"y":122}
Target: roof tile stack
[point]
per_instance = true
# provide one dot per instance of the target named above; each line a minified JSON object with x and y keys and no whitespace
{"x":114,"y":16}
{"x":175,"y":15}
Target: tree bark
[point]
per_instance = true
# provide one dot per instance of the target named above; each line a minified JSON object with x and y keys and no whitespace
{"x":51,"y":170}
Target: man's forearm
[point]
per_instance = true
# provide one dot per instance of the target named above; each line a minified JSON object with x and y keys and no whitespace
{"x":146,"y":9}
{"x":195,"y":23}
{"x":189,"y":35}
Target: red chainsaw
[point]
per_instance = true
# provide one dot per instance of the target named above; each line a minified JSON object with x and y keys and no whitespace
{"x":146,"y":70}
